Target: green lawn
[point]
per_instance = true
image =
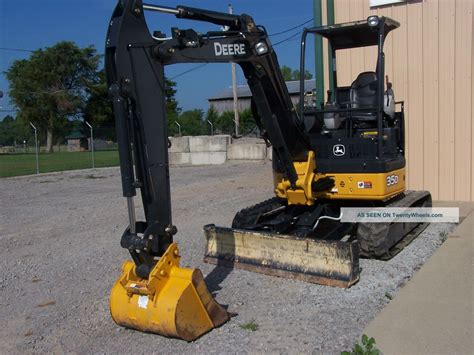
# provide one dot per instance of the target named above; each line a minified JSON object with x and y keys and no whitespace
{"x":25,"y":164}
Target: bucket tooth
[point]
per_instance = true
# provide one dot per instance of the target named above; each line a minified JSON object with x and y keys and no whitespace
{"x":331,"y":263}
{"x":173,"y":301}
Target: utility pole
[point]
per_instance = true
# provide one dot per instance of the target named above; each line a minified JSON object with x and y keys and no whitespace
{"x":36,"y":148}
{"x":92,"y":143}
{"x":234,"y":91}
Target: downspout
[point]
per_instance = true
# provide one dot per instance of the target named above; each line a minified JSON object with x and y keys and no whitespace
{"x":330,"y":19}
{"x":318,"y":47}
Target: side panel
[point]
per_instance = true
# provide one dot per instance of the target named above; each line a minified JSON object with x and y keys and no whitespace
{"x":367,"y":186}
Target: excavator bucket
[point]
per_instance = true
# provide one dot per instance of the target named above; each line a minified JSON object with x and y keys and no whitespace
{"x":331,"y":263}
{"x":173,"y":301}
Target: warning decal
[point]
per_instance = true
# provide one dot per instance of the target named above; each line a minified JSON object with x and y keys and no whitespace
{"x":364,"y":184}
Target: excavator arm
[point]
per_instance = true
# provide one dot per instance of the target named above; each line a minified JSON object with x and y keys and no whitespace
{"x":135,"y":61}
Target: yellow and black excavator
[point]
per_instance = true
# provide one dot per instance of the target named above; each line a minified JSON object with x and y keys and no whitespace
{"x":347,"y":152}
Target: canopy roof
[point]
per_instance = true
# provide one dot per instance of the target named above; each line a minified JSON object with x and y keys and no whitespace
{"x":354,"y":34}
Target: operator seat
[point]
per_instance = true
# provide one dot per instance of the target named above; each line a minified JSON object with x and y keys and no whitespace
{"x":363,"y":93}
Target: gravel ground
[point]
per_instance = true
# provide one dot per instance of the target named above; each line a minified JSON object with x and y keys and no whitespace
{"x":60,"y":254}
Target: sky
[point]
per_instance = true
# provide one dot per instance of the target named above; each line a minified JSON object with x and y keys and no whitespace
{"x":33,"y":24}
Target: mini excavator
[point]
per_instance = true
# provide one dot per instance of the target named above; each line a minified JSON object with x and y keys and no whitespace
{"x":347,"y":152}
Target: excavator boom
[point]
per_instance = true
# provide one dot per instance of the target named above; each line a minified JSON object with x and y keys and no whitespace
{"x":153,"y":295}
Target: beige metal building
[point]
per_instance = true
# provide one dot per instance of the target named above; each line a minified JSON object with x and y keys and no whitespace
{"x":430,"y":61}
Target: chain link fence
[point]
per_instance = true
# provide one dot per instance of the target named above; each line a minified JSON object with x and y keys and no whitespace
{"x":73,"y":150}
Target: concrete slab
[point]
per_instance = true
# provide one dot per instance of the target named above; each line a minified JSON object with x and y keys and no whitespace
{"x":247,"y":151}
{"x":176,"y":158}
{"x":179,"y":144}
{"x":209,"y":143}
{"x":433,"y":313}
{"x":208,"y":158}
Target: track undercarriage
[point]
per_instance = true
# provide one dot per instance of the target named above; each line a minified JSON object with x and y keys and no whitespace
{"x":309,"y":242}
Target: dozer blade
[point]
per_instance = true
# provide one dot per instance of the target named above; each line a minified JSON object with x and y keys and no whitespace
{"x":332,"y":263}
{"x":173,"y":301}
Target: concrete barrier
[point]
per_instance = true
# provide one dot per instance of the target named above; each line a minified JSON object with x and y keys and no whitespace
{"x":177,"y":158}
{"x":208,"y":158}
{"x":270,"y":153}
{"x":250,"y":151}
{"x":209,"y":143}
{"x":179,"y":144}
{"x":215,"y":150}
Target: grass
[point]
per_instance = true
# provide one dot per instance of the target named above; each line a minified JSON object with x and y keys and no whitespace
{"x":25,"y":164}
{"x":252,"y":326}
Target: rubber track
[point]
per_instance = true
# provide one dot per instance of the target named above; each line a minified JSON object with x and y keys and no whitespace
{"x":248,"y":217}
{"x":376,"y":239}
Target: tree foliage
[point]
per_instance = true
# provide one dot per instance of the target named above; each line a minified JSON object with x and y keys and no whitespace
{"x":14,"y":131}
{"x":98,"y":108}
{"x":52,"y":86}
{"x":99,"y":112}
{"x":194,"y":123}
{"x":294,"y":74}
{"x":225,"y":124}
{"x":191,"y":121}
{"x":172,"y":108}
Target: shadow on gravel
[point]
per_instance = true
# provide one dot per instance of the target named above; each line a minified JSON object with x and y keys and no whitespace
{"x":216,"y":277}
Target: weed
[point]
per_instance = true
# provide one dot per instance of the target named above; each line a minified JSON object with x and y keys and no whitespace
{"x":252,"y":326}
{"x":443,"y":235}
{"x":367,"y":348}
{"x":388,"y":295}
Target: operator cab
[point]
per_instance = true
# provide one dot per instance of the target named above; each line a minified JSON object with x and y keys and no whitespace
{"x":357,"y":129}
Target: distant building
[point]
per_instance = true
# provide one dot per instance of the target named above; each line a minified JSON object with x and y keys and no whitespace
{"x":76,"y":142}
{"x":224,"y":100}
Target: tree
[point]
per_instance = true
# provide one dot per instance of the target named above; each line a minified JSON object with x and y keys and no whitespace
{"x":7,"y":130}
{"x":307,"y":75}
{"x":99,"y":111}
{"x":51,"y":86}
{"x":212,"y":115}
{"x":13,"y":130}
{"x":290,"y":74}
{"x":98,"y":107}
{"x":247,"y":122}
{"x":192,"y":123}
{"x":287,"y":73}
{"x":225,"y":123}
{"x":172,"y":108}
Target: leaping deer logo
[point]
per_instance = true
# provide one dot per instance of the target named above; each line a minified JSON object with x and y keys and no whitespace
{"x":339,"y":150}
